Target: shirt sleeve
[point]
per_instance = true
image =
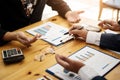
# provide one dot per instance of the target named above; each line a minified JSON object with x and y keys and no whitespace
{"x":93,"y":38}
{"x":87,"y":73}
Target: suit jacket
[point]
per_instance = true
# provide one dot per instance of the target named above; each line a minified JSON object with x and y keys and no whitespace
{"x":13,"y":15}
{"x":110,"y":41}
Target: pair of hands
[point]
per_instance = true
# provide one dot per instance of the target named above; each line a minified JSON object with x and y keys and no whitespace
{"x":71,"y":16}
{"x":21,"y":37}
{"x":106,"y":24}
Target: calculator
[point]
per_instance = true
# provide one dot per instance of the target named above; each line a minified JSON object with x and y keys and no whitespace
{"x":12,"y":55}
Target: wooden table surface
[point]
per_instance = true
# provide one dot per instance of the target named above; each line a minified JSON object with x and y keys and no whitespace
{"x":29,"y":69}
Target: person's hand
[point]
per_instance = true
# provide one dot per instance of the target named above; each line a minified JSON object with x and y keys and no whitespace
{"x":78,"y":32}
{"x":73,"y":16}
{"x":69,"y":64}
{"x":110,"y":24}
{"x":21,"y":37}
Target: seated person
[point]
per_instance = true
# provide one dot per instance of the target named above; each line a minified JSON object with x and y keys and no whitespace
{"x":16,"y":14}
{"x":84,"y":71}
{"x":104,"y":40}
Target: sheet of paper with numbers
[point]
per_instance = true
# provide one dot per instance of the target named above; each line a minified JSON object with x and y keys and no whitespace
{"x":101,"y":62}
{"x":51,"y":33}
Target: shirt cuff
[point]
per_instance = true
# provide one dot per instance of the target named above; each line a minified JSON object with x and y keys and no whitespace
{"x":87,"y":73}
{"x":93,"y":38}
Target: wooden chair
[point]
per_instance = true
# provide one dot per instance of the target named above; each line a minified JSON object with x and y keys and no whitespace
{"x":113,"y":4}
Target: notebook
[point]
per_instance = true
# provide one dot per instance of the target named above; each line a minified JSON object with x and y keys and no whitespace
{"x":52,"y":33}
{"x":101,"y":62}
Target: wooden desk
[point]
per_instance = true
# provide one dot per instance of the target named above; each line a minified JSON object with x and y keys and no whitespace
{"x":29,"y":69}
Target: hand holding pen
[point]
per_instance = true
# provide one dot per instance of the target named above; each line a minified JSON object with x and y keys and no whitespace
{"x":78,"y":31}
{"x":73,"y":28}
{"x":69,"y":36}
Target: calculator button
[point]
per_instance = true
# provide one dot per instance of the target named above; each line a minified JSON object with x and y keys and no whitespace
{"x":19,"y":52}
{"x":71,"y":74}
{"x":65,"y":71}
{"x":9,"y":53}
{"x":14,"y":51}
{"x":4,"y":53}
{"x":77,"y":78}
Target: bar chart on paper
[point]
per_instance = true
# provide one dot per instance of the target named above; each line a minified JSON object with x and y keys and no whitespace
{"x":99,"y":61}
{"x":51,"y":33}
{"x":85,"y":56}
{"x":96,"y":59}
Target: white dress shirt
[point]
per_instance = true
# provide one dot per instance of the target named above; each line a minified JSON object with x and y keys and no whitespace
{"x":87,"y":73}
{"x":93,"y":38}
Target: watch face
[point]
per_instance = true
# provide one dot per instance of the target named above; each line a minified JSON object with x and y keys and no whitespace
{"x":119,"y":22}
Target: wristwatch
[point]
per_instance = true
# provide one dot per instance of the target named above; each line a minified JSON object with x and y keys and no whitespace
{"x":119,"y":22}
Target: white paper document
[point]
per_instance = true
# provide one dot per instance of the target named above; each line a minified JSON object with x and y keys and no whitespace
{"x":51,"y":33}
{"x":101,"y":62}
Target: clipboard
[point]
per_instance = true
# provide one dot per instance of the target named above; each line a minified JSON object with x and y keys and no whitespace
{"x":101,"y":62}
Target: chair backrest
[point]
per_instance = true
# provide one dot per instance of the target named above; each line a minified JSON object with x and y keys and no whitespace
{"x":112,"y":3}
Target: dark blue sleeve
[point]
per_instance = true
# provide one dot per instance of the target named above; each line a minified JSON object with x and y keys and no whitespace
{"x":110,"y":41}
{"x":99,"y":78}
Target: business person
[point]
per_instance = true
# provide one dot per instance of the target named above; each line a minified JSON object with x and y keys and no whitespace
{"x":104,"y":40}
{"x":84,"y":71}
{"x":15,"y":14}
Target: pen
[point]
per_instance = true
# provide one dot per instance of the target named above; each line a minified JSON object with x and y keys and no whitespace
{"x":52,"y":73}
{"x":81,"y":27}
{"x":46,"y":77}
{"x":66,"y":38}
{"x":105,"y":66}
{"x":66,"y":33}
{"x":71,"y":36}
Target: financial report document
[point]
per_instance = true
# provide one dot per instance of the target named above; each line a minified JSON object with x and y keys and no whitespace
{"x":51,"y":33}
{"x":101,"y":62}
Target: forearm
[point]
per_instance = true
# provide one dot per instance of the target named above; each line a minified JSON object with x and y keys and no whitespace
{"x":2,"y":41}
{"x":110,"y":41}
{"x":10,"y":36}
{"x":60,"y":6}
{"x":104,"y":40}
{"x":7,"y":37}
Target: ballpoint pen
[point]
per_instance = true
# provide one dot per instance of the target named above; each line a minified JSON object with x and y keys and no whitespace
{"x":69,"y":37}
{"x":79,"y":28}
{"x":66,"y":33}
{"x":46,"y":77}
